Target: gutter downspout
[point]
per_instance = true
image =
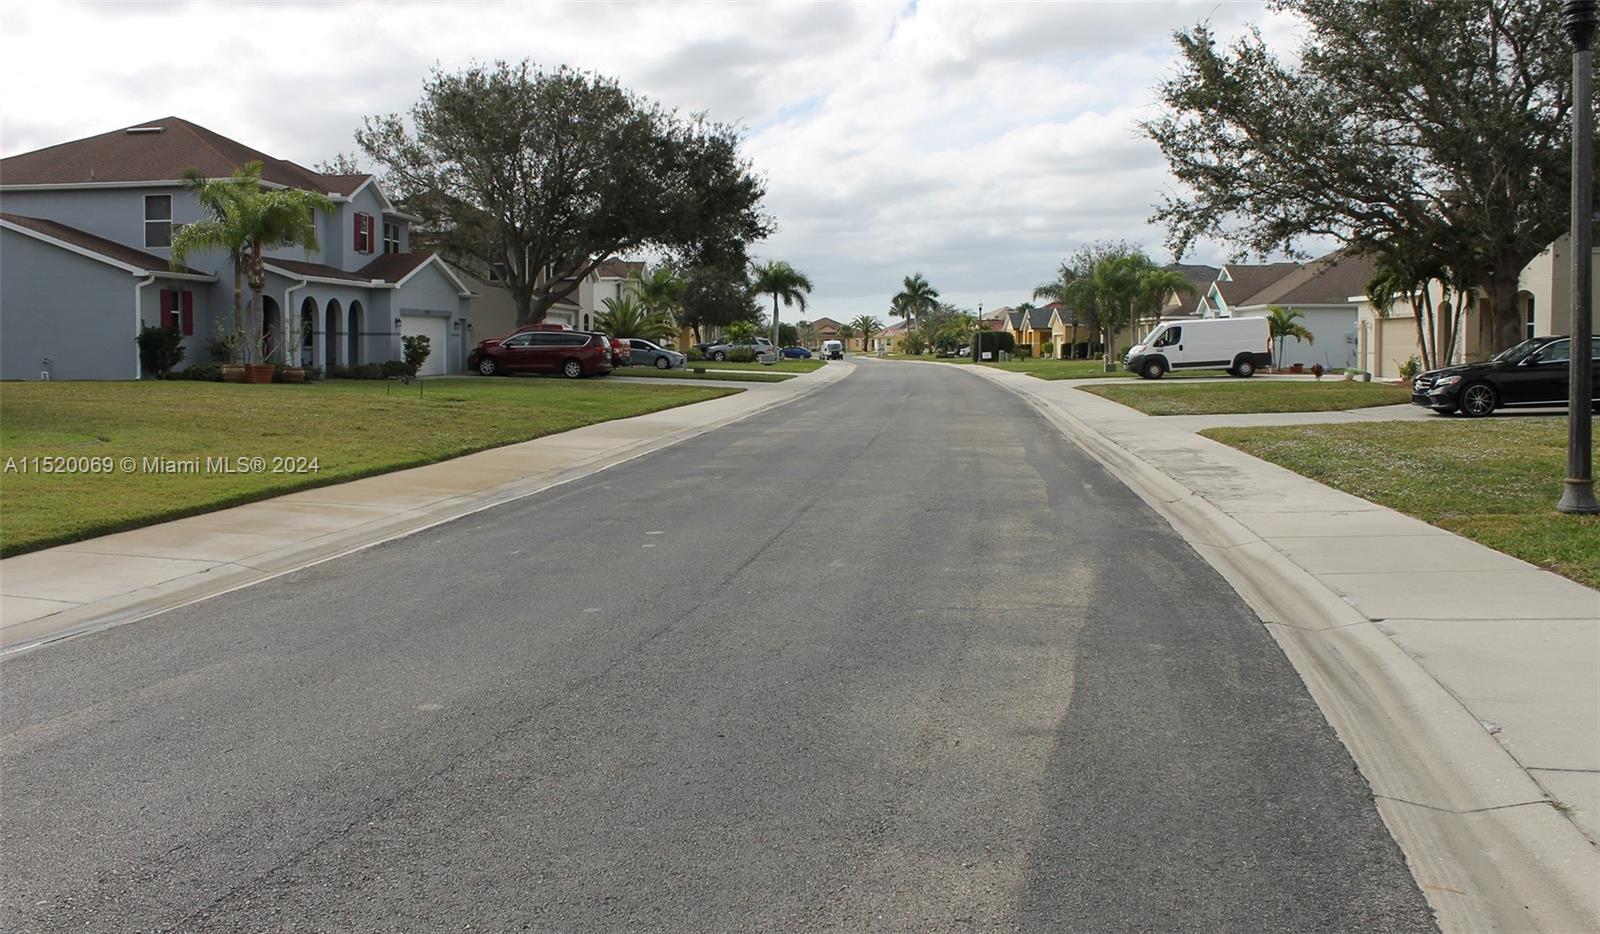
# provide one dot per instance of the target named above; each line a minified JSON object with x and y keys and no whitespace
{"x":288,"y":309}
{"x":138,"y":322}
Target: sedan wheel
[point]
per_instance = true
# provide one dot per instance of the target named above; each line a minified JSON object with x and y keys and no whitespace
{"x":662,"y":363}
{"x":572,"y":369}
{"x":719,"y":356}
{"x":1478,"y":400}
{"x":486,"y":366}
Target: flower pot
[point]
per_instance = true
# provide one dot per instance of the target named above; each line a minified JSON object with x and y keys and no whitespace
{"x":234,"y":373}
{"x":1297,"y":368}
{"x":294,"y":374}
{"x":260,"y":372}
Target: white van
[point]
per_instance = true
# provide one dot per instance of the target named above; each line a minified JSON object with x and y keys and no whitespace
{"x":833,"y":350}
{"x":1240,"y":345}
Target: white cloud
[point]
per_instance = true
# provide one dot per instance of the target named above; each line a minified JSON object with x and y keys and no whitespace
{"x":977,"y":143}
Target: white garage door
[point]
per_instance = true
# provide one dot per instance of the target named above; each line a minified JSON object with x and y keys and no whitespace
{"x":435,"y":329}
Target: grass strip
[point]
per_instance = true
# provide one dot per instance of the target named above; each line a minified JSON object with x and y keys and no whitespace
{"x":1495,"y":481}
{"x":353,"y":428}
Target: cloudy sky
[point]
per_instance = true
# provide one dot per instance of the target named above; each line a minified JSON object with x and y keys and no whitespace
{"x":977,"y":143}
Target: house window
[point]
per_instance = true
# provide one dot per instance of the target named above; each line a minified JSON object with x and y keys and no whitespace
{"x":497,"y":272}
{"x":177,"y":310}
{"x":158,"y":220}
{"x":391,"y":237}
{"x":364,"y":233}
{"x":1530,"y":317}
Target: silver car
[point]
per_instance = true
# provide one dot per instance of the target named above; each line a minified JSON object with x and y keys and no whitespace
{"x":644,"y":353}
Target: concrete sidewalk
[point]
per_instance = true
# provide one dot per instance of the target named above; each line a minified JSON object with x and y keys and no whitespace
{"x":1463,"y":681}
{"x":89,"y":585}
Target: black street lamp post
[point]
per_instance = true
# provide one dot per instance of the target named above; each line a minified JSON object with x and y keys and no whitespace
{"x":1578,"y":494}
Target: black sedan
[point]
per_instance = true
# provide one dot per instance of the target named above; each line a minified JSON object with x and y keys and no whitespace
{"x":1533,"y":373}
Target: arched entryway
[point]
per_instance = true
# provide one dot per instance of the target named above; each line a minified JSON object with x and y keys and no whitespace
{"x":355,"y":333}
{"x":269,"y":328}
{"x":332,"y":317}
{"x":308,"y":330}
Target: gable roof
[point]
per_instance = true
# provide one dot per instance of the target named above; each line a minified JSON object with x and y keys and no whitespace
{"x":824,"y":322}
{"x":1329,"y":280}
{"x":1237,"y":283}
{"x":1014,"y":320}
{"x":618,"y":268}
{"x":81,"y":241}
{"x":389,"y":269}
{"x":160,"y":151}
{"x":1200,"y":276}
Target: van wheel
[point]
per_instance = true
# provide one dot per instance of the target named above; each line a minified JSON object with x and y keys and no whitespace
{"x":1243,"y":367}
{"x":1153,"y":369}
{"x":662,"y":363}
{"x":1478,"y":400}
{"x":572,"y":369}
{"x":486,"y":366}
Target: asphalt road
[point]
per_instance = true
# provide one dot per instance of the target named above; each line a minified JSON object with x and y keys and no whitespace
{"x":893,"y":657}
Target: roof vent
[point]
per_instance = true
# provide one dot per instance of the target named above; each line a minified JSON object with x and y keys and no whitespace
{"x":145,"y":129}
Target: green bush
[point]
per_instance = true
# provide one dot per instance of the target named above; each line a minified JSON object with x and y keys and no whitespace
{"x":694,"y":353}
{"x":742,"y":355}
{"x":1024,"y":351}
{"x":994,"y":342}
{"x":388,"y":369}
{"x":206,"y":372}
{"x":417,"y":349}
{"x":1047,"y":349}
{"x":160,"y":350}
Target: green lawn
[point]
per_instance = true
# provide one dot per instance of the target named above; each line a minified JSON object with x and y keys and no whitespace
{"x":733,"y":376}
{"x":1252,"y":395}
{"x":353,"y":428}
{"x":1495,"y":481}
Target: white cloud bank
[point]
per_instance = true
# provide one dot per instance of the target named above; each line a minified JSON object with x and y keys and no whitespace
{"x":977,"y":143}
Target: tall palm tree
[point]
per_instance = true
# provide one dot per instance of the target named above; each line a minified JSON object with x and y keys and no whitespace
{"x":213,"y":195}
{"x":1073,"y":292}
{"x":1157,"y":286}
{"x":916,"y":297}
{"x":254,"y":220}
{"x":867,"y":326}
{"x":846,"y":332}
{"x":661,"y":292}
{"x":782,"y":281}
{"x":1283,"y":323}
{"x":627,"y":317}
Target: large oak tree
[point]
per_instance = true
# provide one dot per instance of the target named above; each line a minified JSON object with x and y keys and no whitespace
{"x":1434,"y":127}
{"x":542,"y":175}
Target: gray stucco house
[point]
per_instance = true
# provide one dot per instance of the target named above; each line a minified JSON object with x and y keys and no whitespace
{"x":85,"y":228}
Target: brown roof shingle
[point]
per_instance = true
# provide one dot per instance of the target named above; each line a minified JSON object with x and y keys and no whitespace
{"x":1245,"y":281}
{"x":100,"y":245}
{"x":158,"y":151}
{"x":1330,"y":280}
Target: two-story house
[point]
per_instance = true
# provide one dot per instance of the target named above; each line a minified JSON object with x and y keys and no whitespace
{"x":85,"y":234}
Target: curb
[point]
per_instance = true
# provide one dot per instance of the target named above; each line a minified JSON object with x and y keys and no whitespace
{"x":1485,"y":844}
{"x":154,"y":600}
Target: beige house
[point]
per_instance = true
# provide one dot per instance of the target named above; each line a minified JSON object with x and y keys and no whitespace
{"x":1544,"y":297}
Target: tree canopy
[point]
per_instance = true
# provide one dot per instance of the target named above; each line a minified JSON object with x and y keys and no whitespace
{"x":546,"y":174}
{"x":1430,"y":126}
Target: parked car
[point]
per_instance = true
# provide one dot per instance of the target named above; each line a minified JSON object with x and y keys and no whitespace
{"x":833,"y":350}
{"x":1535,"y":372}
{"x":646,"y":353}
{"x":796,"y":353}
{"x":1240,"y":345}
{"x":719,"y":351}
{"x":621,"y":352}
{"x":570,"y":353}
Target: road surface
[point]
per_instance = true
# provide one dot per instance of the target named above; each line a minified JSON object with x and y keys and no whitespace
{"x":893,"y":657}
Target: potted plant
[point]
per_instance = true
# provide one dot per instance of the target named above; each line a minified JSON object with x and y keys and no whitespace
{"x":294,"y":340}
{"x":230,"y":340}
{"x":1297,"y":368}
{"x":1410,"y":369}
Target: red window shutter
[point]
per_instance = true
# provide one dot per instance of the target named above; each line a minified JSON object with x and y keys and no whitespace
{"x":188,"y":312}
{"x":166,"y":308}
{"x":360,"y":226}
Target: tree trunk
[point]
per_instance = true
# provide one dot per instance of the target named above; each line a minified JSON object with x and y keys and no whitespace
{"x":524,"y":299}
{"x":1506,"y":325}
{"x":238,"y":302}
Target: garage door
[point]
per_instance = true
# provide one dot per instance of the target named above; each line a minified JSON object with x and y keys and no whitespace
{"x":434,"y":328}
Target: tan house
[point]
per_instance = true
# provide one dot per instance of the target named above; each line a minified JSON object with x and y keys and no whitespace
{"x":1544,"y":297}
{"x":1319,"y":290}
{"x":823,"y":329}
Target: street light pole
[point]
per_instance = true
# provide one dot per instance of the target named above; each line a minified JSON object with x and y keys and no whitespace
{"x":977,"y":335}
{"x":1578,"y":494}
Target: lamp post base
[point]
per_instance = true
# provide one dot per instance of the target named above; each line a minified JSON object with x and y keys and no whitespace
{"x":1577,"y":498}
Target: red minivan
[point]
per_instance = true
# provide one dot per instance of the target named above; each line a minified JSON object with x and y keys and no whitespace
{"x":571,"y":353}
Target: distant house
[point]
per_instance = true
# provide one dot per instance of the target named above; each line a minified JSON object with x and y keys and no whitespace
{"x":1320,"y":290}
{"x":85,"y":232}
{"x":824,"y":329}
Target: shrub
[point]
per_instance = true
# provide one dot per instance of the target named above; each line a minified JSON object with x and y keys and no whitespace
{"x":694,"y":353}
{"x":417,"y":349}
{"x":1024,"y":351}
{"x":742,"y":355}
{"x":993,"y":342}
{"x":160,"y":349}
{"x":1047,"y":349}
{"x":1410,"y":368}
{"x":206,"y":372}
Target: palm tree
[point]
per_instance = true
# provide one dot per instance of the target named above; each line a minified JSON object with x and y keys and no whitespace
{"x":868,"y":327}
{"x":627,"y":317}
{"x":1073,"y":292}
{"x":1282,"y":323}
{"x":661,"y":292}
{"x":782,"y":281}
{"x":213,"y":195}
{"x":916,"y":297}
{"x":254,"y":220}
{"x":846,"y":332}
{"x":1157,"y":286}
